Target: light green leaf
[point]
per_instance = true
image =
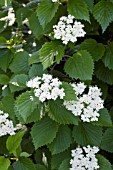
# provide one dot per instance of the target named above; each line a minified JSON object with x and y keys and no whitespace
{"x":62,"y":141}
{"x":22,"y":59}
{"x":4,"y":79}
{"x":18,"y":82}
{"x":13,"y":142}
{"x":50,"y":50}
{"x":80,"y":65}
{"x":103,"y":73}
{"x":104,"y":118}
{"x":87,"y":134}
{"x":65,"y":165}
{"x":34,"y":58}
{"x":43,"y":11}
{"x":91,"y":46}
{"x":103,"y":13}
{"x":108,"y":57}
{"x":107,"y":140}
{"x":4,"y":163}
{"x":35,"y":26}
{"x":43,"y":132}
{"x":24,"y":105}
{"x":60,"y":114}
{"x":103,"y":163}
{"x":69,"y":92}
{"x":78,"y":9}
{"x":24,"y":164}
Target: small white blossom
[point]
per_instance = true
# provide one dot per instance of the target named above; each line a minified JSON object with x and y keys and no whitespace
{"x":6,"y":126}
{"x":55,"y":0}
{"x":88,"y":104}
{"x":68,"y":29}
{"x":46,"y":87}
{"x":84,"y":158}
{"x":10,"y":18}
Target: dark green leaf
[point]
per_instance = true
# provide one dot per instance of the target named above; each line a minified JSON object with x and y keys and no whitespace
{"x":62,"y":141}
{"x":43,"y":12}
{"x":36,"y":70}
{"x":80,"y":65}
{"x":24,"y":164}
{"x":91,"y":46}
{"x":103,"y":163}
{"x":87,"y":134}
{"x":22,"y":59}
{"x":43,"y":132}
{"x":78,"y":9}
{"x":60,"y":114}
{"x":34,"y":58}
{"x":103,"y":13}
{"x":4,"y":79}
{"x":65,"y":165}
{"x":107,"y":140}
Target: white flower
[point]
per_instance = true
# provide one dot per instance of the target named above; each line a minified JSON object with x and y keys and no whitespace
{"x":10,"y":18}
{"x":6,"y":126}
{"x":46,"y":88}
{"x":55,"y":0}
{"x":84,"y":158}
{"x":68,"y":29}
{"x":88,"y":104}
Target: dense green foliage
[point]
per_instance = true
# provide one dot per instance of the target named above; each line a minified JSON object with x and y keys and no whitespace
{"x":49,"y":130}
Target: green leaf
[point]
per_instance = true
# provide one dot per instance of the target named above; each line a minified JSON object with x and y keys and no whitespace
{"x":108,"y":57}
{"x":43,"y":12}
{"x":18,"y":82}
{"x":103,"y":163}
{"x":24,"y":164}
{"x":5,"y":58}
{"x":13,"y":142}
{"x":4,"y":163}
{"x":62,"y":141}
{"x":69,"y":92}
{"x":57,"y":159}
{"x":90,"y":4}
{"x":40,"y":167}
{"x":65,"y":165}
{"x":107,"y":140}
{"x":50,"y":50}
{"x":103,"y":73}
{"x":87,"y":134}
{"x":34,"y":58}
{"x":91,"y":46}
{"x":80,"y":65}
{"x":35,"y":26}
{"x":60,"y":114}
{"x":24,"y":105}
{"x":4,"y":79}
{"x":22,"y":59}
{"x":78,"y":9}
{"x":36,"y":70}
{"x":104,"y":118}
{"x":43,"y":132}
{"x":103,"y":13}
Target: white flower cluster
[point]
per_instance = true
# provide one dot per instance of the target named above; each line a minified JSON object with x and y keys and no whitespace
{"x":87,"y":105}
{"x":68,"y":29}
{"x":6,"y":126}
{"x":46,"y":87}
{"x":10,"y":18}
{"x":84,"y":158}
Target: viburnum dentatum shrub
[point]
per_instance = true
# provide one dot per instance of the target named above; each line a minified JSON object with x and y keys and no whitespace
{"x":56,"y":84}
